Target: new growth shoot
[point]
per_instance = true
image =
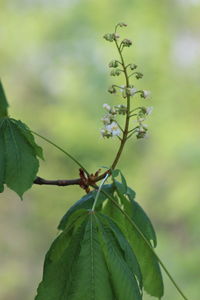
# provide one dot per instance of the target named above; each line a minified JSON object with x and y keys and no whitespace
{"x":134,"y":116}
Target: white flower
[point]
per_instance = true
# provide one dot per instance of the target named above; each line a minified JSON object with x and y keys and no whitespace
{"x":149,"y":110}
{"x":107,"y":107}
{"x":107,"y":119}
{"x":145,"y":94}
{"x":133,"y":91}
{"x":113,"y":129}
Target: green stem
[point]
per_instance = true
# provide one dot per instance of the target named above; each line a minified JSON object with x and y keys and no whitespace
{"x":98,"y":192}
{"x":126,"y":127}
{"x":148,"y":244}
{"x":61,"y":149}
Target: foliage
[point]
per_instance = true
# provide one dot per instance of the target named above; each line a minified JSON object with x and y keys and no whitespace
{"x":106,"y":248}
{"x":100,"y":255}
{"x":18,"y":155}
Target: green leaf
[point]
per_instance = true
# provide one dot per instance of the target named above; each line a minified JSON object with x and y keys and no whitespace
{"x":86,"y":202}
{"x":122,"y":265}
{"x":129,"y":255}
{"x":151,"y":273}
{"x":110,"y":210}
{"x":3,"y":102}
{"x":91,"y":260}
{"x":115,"y":173}
{"x":120,"y":186}
{"x":80,"y":272}
{"x":139,"y":216}
{"x":25,"y":130}
{"x":18,"y":157}
{"x":130,"y":193}
{"x":152,"y":278}
{"x":58,"y":266}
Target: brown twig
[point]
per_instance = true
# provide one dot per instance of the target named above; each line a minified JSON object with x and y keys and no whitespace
{"x":84,"y":181}
{"x":59,"y":182}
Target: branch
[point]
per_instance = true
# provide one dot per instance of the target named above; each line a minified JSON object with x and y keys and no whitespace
{"x":84,"y":181}
{"x":59,"y":182}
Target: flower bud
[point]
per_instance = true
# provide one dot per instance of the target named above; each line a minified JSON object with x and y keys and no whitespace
{"x":112,"y":89}
{"x":145,"y":94}
{"x":138,"y":75}
{"x":149,"y":110}
{"x":141,"y":131}
{"x":105,"y":133}
{"x":107,"y":119}
{"x":141,"y":135}
{"x":133,"y":66}
{"x":121,"y":109}
{"x":115,"y":72}
{"x":131,"y":91}
{"x":110,"y":37}
{"x":126,"y":43}
{"x":121,"y":24}
{"x":107,"y":107}
{"x":113,"y":111}
{"x":113,"y":64}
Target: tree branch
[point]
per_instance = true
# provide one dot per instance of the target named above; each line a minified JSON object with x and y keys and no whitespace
{"x":59,"y":182}
{"x":84,"y":181}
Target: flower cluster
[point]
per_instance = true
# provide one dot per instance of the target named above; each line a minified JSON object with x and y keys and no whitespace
{"x":111,"y":127}
{"x":141,"y":129}
{"x":110,"y":37}
{"x":127,"y":91}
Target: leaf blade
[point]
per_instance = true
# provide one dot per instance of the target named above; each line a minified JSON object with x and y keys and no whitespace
{"x":21,"y":162}
{"x":124,"y":283}
{"x":3,"y":102}
{"x":24,"y":129}
{"x":149,"y":265}
{"x":79,"y":272}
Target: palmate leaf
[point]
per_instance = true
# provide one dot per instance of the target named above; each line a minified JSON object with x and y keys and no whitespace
{"x":152,"y":278}
{"x":94,"y":262}
{"x":18,"y":156}
{"x":3,"y":102}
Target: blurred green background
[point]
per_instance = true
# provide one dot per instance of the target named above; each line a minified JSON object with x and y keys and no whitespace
{"x":54,"y":69}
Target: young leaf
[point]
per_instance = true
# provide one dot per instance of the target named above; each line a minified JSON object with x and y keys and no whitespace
{"x":58,"y":266}
{"x":122,"y":269}
{"x":136,"y":212}
{"x":3,"y":102}
{"x":18,"y":156}
{"x":120,"y":186}
{"x":129,"y":255}
{"x":91,"y":260}
{"x":152,"y":278}
{"x":80,"y":272}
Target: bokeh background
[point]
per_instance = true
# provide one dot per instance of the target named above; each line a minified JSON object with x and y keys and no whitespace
{"x":53,"y":64}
